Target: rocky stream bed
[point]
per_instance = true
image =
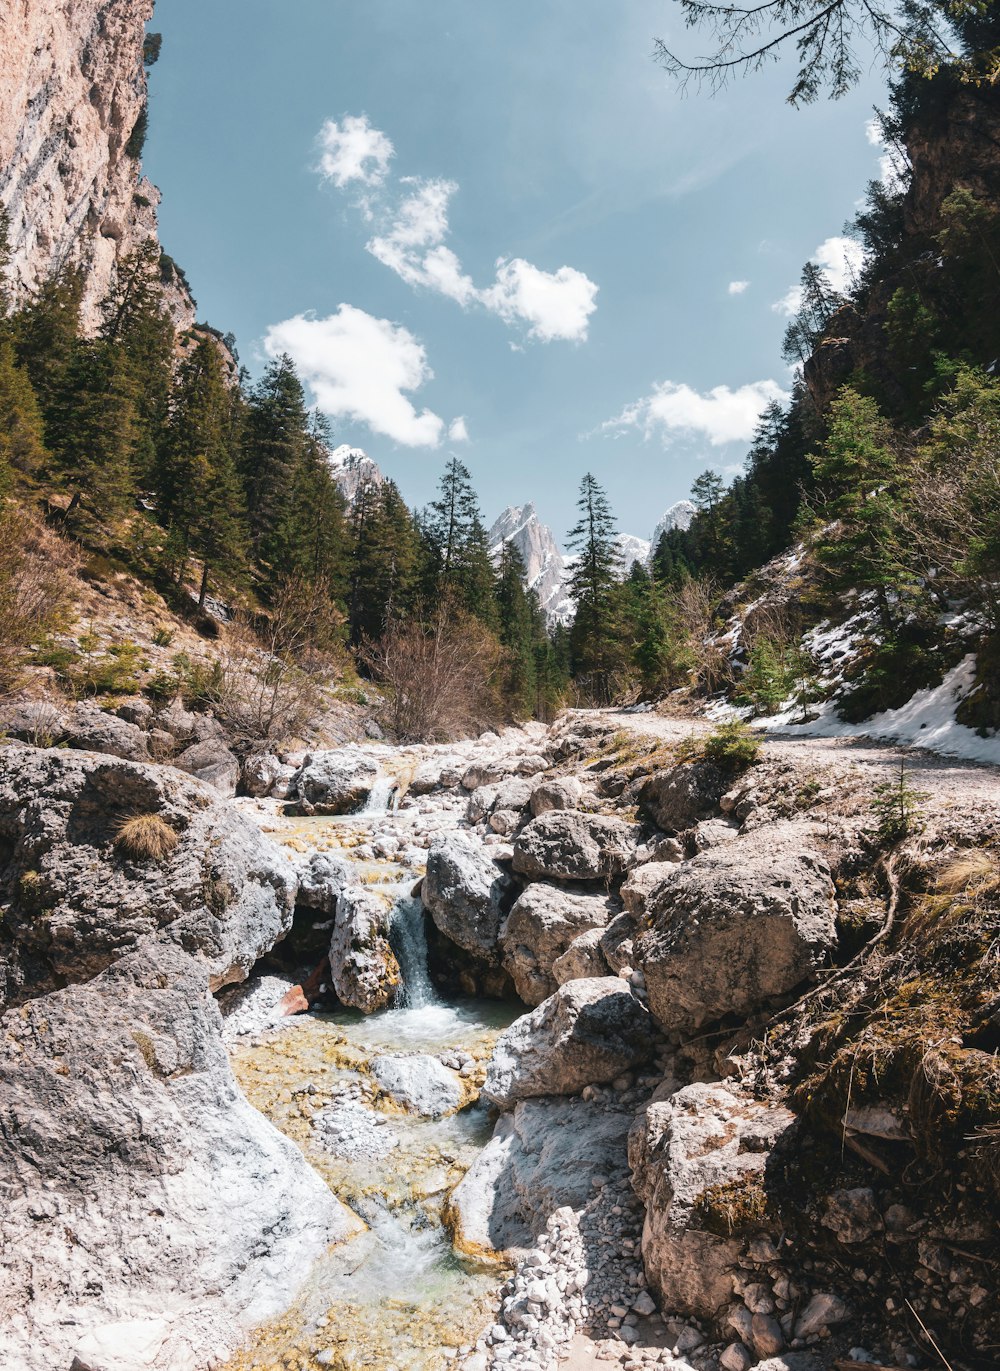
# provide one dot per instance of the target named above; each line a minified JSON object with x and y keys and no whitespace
{"x":498,"y":1054}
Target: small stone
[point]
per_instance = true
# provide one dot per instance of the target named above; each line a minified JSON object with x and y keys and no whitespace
{"x":735,"y":1358}
{"x":643,"y":1304}
{"x":822,"y":1311}
{"x":768,"y":1339}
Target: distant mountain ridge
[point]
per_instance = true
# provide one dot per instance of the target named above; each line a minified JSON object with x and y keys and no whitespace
{"x":548,"y":567}
{"x":352,"y":468}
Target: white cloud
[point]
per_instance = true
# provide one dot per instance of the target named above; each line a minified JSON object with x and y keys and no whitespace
{"x":891,"y":163}
{"x":458,"y":431}
{"x":556,"y":304}
{"x":840,"y":260}
{"x":738,"y":287}
{"x":721,"y":415}
{"x":360,"y":368}
{"x":411,"y":239}
{"x":353,"y":151}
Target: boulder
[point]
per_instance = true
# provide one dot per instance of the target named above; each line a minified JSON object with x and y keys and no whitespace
{"x":542,"y":1156}
{"x":261,"y":774}
{"x":736,"y":927}
{"x":704,"y":1140}
{"x":363,"y":967}
{"x":78,"y":900}
{"x":466,"y":893}
{"x":582,"y":959}
{"x":565,"y":845}
{"x":149,"y":1212}
{"x":185,"y":726}
{"x":676,"y":799}
{"x":33,"y":721}
{"x":333,"y":782}
{"x":564,"y":792}
{"x":539,"y":929}
{"x":617,"y":942}
{"x":137,"y":710}
{"x":322,"y":878}
{"x":212,"y":762}
{"x":92,"y":730}
{"x":643,"y":882}
{"x":418,"y":1083}
{"x":587,"y":1033}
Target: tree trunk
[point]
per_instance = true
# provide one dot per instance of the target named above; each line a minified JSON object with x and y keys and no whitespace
{"x":204,"y":586}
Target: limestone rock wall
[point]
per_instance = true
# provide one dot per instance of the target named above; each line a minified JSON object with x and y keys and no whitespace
{"x":72,"y":88}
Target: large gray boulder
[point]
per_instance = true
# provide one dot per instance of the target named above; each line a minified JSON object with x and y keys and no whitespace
{"x":542,"y":1156}
{"x":569,"y":846}
{"x":466,"y":893}
{"x":563,"y":792}
{"x":736,"y":927}
{"x":333,"y":782}
{"x":91,"y":729}
{"x":363,"y":967}
{"x":151,"y":1217}
{"x":676,"y":799}
{"x":707,"y":1145}
{"x":583,"y":959}
{"x":543,"y":923}
{"x":78,"y":899}
{"x":587,"y":1033}
{"x":211,"y":761}
{"x":38,"y":722}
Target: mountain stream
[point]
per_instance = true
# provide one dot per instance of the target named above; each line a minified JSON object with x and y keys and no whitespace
{"x":396,"y":1297}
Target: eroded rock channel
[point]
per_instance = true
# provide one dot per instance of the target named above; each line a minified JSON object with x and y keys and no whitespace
{"x":500,"y":1054}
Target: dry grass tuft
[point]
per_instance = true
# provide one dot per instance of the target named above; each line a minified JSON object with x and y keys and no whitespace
{"x":146,"y":837}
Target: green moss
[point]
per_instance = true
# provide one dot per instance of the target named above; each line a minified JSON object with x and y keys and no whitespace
{"x":737,"y":1207}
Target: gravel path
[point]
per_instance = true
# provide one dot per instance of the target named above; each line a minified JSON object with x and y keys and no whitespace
{"x":952,"y":786}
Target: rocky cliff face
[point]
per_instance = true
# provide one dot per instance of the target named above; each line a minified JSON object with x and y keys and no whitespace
{"x":72,"y":92}
{"x":543,"y":561}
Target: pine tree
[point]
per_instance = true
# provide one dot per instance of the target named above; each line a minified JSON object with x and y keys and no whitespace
{"x":21,"y":429}
{"x":276,"y":435}
{"x":91,"y":429}
{"x":46,"y":333}
{"x":518,"y":630}
{"x":202,"y":502}
{"x":817,"y":304}
{"x":313,"y":539}
{"x":457,"y":541}
{"x":592,"y":581}
{"x":136,"y":322}
{"x":385,"y":562}
{"x":858,"y":478}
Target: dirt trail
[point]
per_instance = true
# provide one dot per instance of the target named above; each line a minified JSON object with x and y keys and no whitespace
{"x":951,"y":785}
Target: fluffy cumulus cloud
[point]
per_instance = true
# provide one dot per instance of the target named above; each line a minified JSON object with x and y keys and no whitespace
{"x":554,"y":304}
{"x":458,"y":431}
{"x":412,"y":228}
{"x":840,"y":259}
{"x":721,"y":415}
{"x":738,"y":287}
{"x":351,"y":152}
{"x":362,"y":369}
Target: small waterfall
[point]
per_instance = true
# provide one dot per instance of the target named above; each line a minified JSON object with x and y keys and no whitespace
{"x":383,"y":797}
{"x":409,"y":943}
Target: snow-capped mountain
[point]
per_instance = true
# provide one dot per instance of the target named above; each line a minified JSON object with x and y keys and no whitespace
{"x":677,"y":516}
{"x":632,"y":550}
{"x":544,"y":563}
{"x":352,"y":468}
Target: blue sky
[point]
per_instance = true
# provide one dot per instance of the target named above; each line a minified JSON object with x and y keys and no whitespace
{"x":343,"y":179}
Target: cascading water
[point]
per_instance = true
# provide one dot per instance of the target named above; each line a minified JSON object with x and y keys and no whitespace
{"x":383,"y":797}
{"x":409,"y":942}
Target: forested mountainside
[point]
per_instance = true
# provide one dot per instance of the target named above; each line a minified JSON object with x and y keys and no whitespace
{"x":135,"y":447}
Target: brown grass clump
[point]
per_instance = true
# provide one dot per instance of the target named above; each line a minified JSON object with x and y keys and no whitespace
{"x":146,"y":837}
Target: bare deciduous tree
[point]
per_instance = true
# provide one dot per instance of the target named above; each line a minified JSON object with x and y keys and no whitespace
{"x":438,"y":676}
{"x":34,"y":590}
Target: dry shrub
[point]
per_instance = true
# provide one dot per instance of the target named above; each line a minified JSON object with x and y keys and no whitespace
{"x":145,"y":837}
{"x":272,"y":667}
{"x":35,"y":579}
{"x":711,"y":668}
{"x":439,"y":677}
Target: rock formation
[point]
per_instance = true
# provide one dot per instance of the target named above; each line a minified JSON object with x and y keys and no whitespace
{"x":72,"y":107}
